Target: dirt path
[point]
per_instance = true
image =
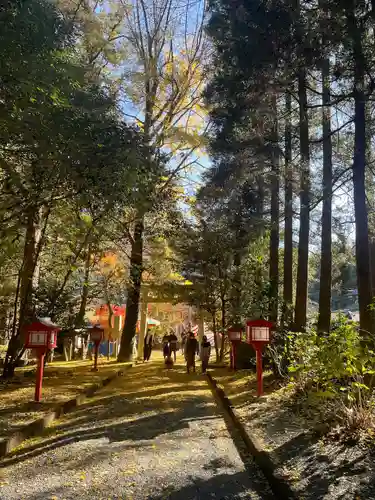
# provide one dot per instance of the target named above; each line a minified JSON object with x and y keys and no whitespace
{"x":152,"y":434}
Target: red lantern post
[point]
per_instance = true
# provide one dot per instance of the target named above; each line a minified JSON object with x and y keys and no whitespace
{"x":96,"y":336}
{"x":42,"y":336}
{"x":234,"y":335}
{"x":258,"y":335}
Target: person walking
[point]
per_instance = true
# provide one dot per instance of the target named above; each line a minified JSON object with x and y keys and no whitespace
{"x":165,"y":346}
{"x":205,"y":353}
{"x":191,"y":349}
{"x":135,"y":346}
{"x":183,"y":342}
{"x":173,"y":345}
{"x":148,"y":344}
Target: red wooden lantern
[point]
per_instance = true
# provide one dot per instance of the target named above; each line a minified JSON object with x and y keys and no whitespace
{"x":96,"y":336}
{"x":234,"y":335}
{"x":42,"y":336}
{"x":258,"y":333}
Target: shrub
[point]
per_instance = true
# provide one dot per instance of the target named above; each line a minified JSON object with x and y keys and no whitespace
{"x":333,"y":365}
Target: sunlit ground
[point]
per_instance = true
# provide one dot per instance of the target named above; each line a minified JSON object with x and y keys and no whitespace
{"x":62,"y":381}
{"x":149,"y":433}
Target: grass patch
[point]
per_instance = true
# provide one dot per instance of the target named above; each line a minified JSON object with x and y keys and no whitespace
{"x":61,"y":382}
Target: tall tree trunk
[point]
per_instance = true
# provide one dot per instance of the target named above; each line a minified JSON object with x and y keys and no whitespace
{"x":275,"y":232}
{"x":29,"y":264}
{"x":300,"y":313}
{"x":136,"y":257}
{"x":213,"y":314}
{"x":142,"y":323}
{"x":32,"y":247}
{"x":236,"y":288}
{"x":372,"y":260}
{"x":370,"y":191}
{"x":4,"y":315}
{"x":288,"y":228}
{"x":359,"y":162}
{"x":324,"y":319}
{"x":134,"y":293}
{"x":259,"y":209}
{"x":223,"y":326}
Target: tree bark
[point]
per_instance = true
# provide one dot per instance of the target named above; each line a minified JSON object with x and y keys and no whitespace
{"x":223,"y":326}
{"x":134,"y":293}
{"x":300,"y":313}
{"x":275,"y":233}
{"x":32,"y":247}
{"x":68,"y":349}
{"x":372,"y":261}
{"x":29,"y":264}
{"x":324,"y":319}
{"x":359,"y":163}
{"x":143,"y":324}
{"x":215,"y":335}
{"x":236,"y":289}
{"x":288,"y":227}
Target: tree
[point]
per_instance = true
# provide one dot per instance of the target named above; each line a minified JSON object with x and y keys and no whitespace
{"x":165,"y":91}
{"x":355,"y":30}
{"x":324,"y":319}
{"x":54,"y":99}
{"x":287,"y":317}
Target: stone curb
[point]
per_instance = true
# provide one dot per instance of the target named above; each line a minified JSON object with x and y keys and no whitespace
{"x":280,"y":487}
{"x":37,"y":426}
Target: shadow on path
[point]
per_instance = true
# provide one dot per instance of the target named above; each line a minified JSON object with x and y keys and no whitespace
{"x":117,"y":412}
{"x":148,"y":408}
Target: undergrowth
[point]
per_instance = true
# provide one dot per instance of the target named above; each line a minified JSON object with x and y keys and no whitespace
{"x":333,"y":373}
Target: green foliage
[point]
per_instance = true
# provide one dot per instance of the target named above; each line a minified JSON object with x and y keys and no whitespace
{"x":69,"y":163}
{"x":334,"y":365}
{"x":255,"y":283}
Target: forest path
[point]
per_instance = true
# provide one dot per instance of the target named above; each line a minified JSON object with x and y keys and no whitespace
{"x":151,"y":434}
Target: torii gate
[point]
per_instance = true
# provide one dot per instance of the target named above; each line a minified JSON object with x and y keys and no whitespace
{"x":163,"y":296}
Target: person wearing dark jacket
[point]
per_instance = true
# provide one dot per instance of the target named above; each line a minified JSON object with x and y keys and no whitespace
{"x":173,"y":345}
{"x":165,"y":344}
{"x":147,"y":347}
{"x":205,"y":352}
{"x":191,"y":349}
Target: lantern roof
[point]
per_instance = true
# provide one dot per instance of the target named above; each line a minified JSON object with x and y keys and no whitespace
{"x":259,"y":322}
{"x":42,"y":325}
{"x":236,"y":328}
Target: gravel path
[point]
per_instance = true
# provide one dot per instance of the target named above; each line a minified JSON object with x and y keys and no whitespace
{"x":152,"y":434}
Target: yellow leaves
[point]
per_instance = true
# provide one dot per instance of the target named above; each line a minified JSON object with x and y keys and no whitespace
{"x":176,"y":276}
{"x":111,"y":267}
{"x":140,"y":124}
{"x":180,"y":136}
{"x":109,"y":259}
